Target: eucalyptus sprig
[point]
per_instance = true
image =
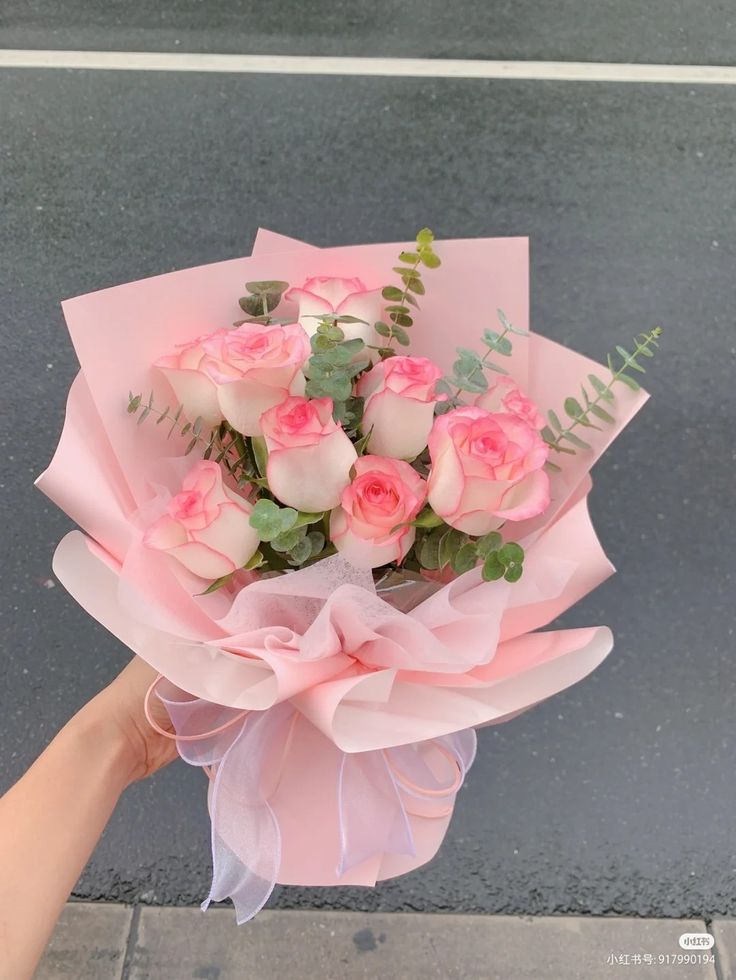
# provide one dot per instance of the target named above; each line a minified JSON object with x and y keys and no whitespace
{"x":468,"y":371}
{"x":562,"y":438}
{"x":333,"y":367}
{"x":287,"y":532}
{"x":438,"y":546}
{"x":263,"y":297}
{"x":221,"y":442}
{"x":443,"y":546}
{"x":401,"y":299}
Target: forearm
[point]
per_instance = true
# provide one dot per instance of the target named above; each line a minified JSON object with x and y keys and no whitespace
{"x":50,"y":822}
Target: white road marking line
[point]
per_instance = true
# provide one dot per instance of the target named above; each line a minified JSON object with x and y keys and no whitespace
{"x":575,"y":71}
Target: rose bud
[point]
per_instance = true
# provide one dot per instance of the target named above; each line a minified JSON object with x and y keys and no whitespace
{"x":399,"y":405}
{"x":343,"y":297}
{"x":309,"y":455}
{"x":486,"y":469}
{"x":206,"y":526}
{"x":384,"y":493}
{"x":504,"y":395}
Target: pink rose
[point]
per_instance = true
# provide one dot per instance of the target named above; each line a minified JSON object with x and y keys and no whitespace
{"x":486,"y":468}
{"x":206,"y":525}
{"x":238,"y":374}
{"x":384,"y":493}
{"x":191,"y":372}
{"x":309,"y":455}
{"x":345,"y":297}
{"x":504,"y":395}
{"x":399,"y":405}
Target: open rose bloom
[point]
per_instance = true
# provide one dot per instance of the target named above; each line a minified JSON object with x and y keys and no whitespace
{"x":335,"y":724}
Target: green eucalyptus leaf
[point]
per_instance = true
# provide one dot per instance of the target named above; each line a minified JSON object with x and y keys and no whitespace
{"x":410,"y":257}
{"x":425,"y":237}
{"x":431,"y":260}
{"x":321,"y":343}
{"x":392,"y":293}
{"x":469,"y":358}
{"x":575,"y":440}
{"x":267,"y":286}
{"x":331,"y":331}
{"x":602,"y":414}
{"x":450,"y":542}
{"x":301,"y":551}
{"x":488,"y":543}
{"x":600,"y":388}
{"x":429,"y":550}
{"x":507,"y":325}
{"x":382,"y":329}
{"x":634,"y":385}
{"x":416,"y":286}
{"x":502,"y":345}
{"x":573,"y":408}
{"x":252,"y":305}
{"x":306,"y":517}
{"x":465,"y":558}
{"x":288,"y":540}
{"x":492,"y":568}
{"x":510,"y":553}
{"x":316,"y":541}
{"x":513,"y":573}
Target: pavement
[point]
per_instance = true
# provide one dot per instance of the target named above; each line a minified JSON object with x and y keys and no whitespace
{"x":114,"y":942}
{"x":616,"y":797}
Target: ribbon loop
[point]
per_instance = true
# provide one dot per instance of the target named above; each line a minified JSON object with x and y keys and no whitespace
{"x":244,"y":754}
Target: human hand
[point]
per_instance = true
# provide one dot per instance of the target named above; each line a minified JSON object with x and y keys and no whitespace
{"x":118,"y":711}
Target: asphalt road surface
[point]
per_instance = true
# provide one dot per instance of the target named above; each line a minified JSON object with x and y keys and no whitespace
{"x":617,"y":796}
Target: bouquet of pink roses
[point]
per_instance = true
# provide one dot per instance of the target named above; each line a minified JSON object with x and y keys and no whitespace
{"x":335,"y":551}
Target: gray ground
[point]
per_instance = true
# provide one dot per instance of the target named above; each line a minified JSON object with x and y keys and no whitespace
{"x":660,"y":31}
{"x":617,"y":796}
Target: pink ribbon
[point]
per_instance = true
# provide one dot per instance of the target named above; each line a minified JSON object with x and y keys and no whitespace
{"x":243,"y":754}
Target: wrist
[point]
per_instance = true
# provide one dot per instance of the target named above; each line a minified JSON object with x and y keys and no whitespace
{"x":104,"y":742}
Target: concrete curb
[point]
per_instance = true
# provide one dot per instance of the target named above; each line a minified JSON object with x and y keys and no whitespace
{"x":116,"y":942}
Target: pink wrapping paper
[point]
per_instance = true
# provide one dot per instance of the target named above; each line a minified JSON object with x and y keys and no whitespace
{"x":318,"y":645}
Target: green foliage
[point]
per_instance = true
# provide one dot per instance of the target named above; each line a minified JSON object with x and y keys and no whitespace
{"x":468,"y":371}
{"x":506,"y":562}
{"x":262,"y":298}
{"x":221,"y":443}
{"x":563,"y":438}
{"x":439,"y":545}
{"x":271,"y":521}
{"x":287,"y":533}
{"x":400,"y":299}
{"x":333,"y":367}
